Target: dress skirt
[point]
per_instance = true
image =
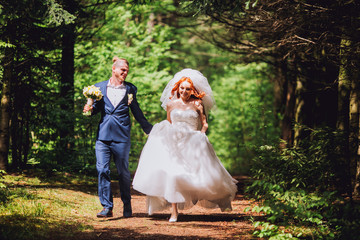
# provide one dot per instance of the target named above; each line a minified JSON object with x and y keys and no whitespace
{"x":179,"y":165}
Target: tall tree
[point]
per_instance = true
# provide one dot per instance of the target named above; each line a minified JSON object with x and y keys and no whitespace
{"x":26,"y":29}
{"x":66,"y":130}
{"x":5,"y":104}
{"x":307,"y":37}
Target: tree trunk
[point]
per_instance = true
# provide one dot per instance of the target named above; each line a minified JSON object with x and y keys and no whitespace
{"x":15,"y":139}
{"x":5,"y":108}
{"x":304,"y":103}
{"x":344,"y":89}
{"x":354,"y":135}
{"x":356,"y":191}
{"x":26,"y":127}
{"x":67,"y":87}
{"x":288,"y":100}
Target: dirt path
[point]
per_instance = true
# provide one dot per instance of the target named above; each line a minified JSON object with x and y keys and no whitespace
{"x":195,"y":223}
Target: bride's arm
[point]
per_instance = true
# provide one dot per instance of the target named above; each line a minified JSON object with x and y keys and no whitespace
{"x":202,"y":116}
{"x":168,"y":110}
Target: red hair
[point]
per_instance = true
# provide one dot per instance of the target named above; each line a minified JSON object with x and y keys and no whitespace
{"x":195,"y":93}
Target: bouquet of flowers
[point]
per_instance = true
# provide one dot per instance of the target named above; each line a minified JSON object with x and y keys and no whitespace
{"x":91,"y":93}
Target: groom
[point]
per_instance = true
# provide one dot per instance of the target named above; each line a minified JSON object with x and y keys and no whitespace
{"x":113,"y":136}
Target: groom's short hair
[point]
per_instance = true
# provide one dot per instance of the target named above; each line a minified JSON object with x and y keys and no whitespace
{"x":117,"y":60}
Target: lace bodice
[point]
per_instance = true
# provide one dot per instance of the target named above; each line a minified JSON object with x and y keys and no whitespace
{"x":185,"y":118}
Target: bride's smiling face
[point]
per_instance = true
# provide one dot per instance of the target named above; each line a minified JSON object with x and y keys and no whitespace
{"x":185,"y":90}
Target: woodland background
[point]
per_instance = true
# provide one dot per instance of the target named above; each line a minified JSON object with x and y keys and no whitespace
{"x":285,"y":75}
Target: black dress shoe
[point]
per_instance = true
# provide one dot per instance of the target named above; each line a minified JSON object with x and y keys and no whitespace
{"x":105,"y":213}
{"x":127,"y":211}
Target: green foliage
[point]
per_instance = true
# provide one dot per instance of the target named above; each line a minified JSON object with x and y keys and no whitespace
{"x":29,"y":47}
{"x":296,"y":188}
{"x":4,"y":191}
{"x":6,"y":45}
{"x":297,"y":166}
{"x":293,"y":205}
{"x":271,"y":231}
{"x":41,"y":13}
{"x":244,"y":116}
{"x":57,"y":15}
{"x":155,"y":53}
{"x":153,"y":40}
{"x":126,"y":35}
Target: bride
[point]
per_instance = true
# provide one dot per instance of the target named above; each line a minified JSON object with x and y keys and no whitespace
{"x":178,"y":166}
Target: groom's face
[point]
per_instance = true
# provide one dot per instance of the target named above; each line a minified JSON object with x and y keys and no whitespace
{"x":121,"y":70}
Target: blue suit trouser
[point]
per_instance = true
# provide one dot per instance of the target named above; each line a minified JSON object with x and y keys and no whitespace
{"x":120,"y":152}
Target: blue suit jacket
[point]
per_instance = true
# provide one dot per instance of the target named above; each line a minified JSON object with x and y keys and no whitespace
{"x":115,"y":122}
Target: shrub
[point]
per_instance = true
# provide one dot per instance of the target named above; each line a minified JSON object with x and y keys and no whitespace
{"x":298,"y":190}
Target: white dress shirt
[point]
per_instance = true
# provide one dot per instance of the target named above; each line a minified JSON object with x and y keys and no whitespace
{"x":115,"y":93}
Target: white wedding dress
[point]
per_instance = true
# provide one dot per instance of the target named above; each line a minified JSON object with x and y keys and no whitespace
{"x":178,"y":165}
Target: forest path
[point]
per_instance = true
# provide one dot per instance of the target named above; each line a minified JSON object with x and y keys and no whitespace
{"x":194,"y":223}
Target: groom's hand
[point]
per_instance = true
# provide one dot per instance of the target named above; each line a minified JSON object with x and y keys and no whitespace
{"x":87,"y":108}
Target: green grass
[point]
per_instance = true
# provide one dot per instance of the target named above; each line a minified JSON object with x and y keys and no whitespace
{"x":41,"y":207}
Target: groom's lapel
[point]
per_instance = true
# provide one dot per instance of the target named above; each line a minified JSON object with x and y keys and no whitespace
{"x":126,"y":93}
{"x":108,"y":104}
{"x":125,"y":98}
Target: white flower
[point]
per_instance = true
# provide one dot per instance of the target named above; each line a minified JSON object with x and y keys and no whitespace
{"x":92,"y":92}
{"x":130,"y":98}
